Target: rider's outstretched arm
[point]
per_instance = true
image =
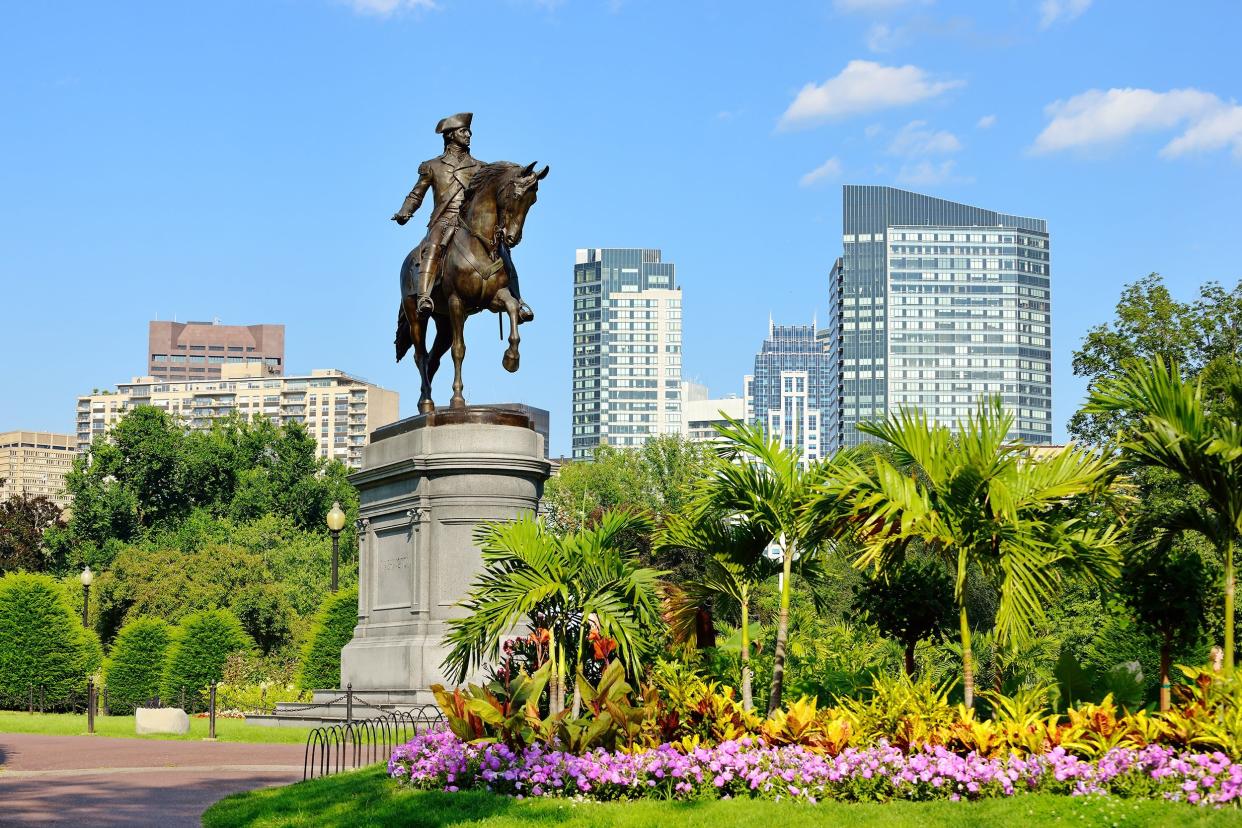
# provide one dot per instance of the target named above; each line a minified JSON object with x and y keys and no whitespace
{"x":415,"y":199}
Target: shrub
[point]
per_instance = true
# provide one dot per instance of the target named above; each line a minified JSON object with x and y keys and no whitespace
{"x":265,"y":614}
{"x":41,"y":642}
{"x":256,"y":698}
{"x":197,"y":657}
{"x":137,"y":664}
{"x":334,"y":627}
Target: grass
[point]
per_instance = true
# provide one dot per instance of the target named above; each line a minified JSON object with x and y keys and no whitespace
{"x":368,"y":798}
{"x":71,"y":724}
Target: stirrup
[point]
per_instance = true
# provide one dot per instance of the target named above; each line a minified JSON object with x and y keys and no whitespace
{"x":425,"y":305}
{"x":525,"y":314}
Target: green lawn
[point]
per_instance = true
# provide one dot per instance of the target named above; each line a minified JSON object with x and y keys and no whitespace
{"x":70,"y":724}
{"x":366,"y":798}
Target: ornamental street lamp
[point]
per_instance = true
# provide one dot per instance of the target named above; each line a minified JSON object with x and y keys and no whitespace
{"x":336,"y":522}
{"x":87,"y":576}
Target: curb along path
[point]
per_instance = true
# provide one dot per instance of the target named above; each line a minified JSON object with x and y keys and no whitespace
{"x":101,"y":781}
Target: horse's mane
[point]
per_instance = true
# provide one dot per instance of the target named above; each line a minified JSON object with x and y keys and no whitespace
{"x":489,"y":176}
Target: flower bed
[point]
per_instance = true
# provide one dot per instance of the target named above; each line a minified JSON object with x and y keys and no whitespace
{"x":439,"y":760}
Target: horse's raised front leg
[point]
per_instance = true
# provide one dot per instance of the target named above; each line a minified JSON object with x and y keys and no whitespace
{"x":512,"y":307}
{"x":457,"y":315}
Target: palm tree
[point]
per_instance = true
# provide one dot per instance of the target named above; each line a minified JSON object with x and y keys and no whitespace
{"x":759,"y":483}
{"x":735,"y":565}
{"x":1177,"y":430}
{"x":583,"y":579}
{"x":976,"y":500}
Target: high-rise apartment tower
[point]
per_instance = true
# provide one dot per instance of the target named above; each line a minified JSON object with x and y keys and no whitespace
{"x":627,"y":348}
{"x":934,"y":304}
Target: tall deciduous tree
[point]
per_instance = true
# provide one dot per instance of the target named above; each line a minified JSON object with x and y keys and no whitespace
{"x":23,"y":521}
{"x":980,"y":501}
{"x":1199,"y":336}
{"x":1174,"y":428}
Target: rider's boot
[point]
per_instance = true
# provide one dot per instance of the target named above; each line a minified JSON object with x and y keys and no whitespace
{"x":427,"y":280}
{"x":525,"y":314}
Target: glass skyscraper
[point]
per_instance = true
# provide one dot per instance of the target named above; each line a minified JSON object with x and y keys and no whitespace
{"x":933,"y":304}
{"x":627,"y":348}
{"x":790,"y":392}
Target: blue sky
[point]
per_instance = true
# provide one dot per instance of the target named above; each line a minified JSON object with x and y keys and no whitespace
{"x":241,"y":160}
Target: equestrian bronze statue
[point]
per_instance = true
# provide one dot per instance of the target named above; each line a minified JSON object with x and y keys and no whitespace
{"x":463,"y":264}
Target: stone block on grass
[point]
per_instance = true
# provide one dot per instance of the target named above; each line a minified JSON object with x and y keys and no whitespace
{"x":161,"y":720}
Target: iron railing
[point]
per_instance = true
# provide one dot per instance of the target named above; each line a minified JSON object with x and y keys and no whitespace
{"x":360,"y":742}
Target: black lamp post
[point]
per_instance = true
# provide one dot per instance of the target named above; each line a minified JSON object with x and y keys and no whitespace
{"x":87,"y":577}
{"x":336,"y":522}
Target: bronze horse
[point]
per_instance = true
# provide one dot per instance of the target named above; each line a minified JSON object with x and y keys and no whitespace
{"x":473,"y":275}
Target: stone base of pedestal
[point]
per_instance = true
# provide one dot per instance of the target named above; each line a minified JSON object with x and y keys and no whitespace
{"x":425,"y":484}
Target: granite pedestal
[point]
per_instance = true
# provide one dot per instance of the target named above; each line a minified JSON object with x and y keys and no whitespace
{"x":425,"y":484}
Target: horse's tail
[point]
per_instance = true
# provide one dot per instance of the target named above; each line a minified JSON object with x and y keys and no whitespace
{"x":403,"y":341}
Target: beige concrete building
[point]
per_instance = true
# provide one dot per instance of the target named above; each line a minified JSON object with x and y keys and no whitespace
{"x":199,"y":350}
{"x":700,"y":413}
{"x":338,"y":410}
{"x":35,"y":463}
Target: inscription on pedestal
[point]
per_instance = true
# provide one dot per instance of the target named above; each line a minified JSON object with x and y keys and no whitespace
{"x":394,"y":567}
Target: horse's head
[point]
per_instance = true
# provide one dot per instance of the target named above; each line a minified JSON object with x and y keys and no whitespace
{"x":513,"y":201}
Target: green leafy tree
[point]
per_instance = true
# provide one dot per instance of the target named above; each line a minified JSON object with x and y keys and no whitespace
{"x":42,"y":643}
{"x":170,"y":584}
{"x":198,"y":653}
{"x":24,"y":522}
{"x":1175,"y":429}
{"x":656,"y":479}
{"x":1165,"y":585}
{"x":757,"y":482}
{"x":136,"y":666}
{"x":1203,"y":336}
{"x":265,"y":615}
{"x":333,"y":629}
{"x":978,"y":500}
{"x":580,"y":579}
{"x":911,"y":602}
{"x":149,"y":474}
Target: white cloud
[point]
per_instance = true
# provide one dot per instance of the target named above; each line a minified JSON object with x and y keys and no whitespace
{"x":872,"y":6}
{"x":986,"y":122}
{"x":873,"y":130}
{"x":1096,"y":117}
{"x":1050,"y":11}
{"x":882,"y":37}
{"x":862,"y":86}
{"x":829,"y":169}
{"x":915,"y":139}
{"x":925,"y":173}
{"x":384,"y":8}
{"x":1222,"y":128}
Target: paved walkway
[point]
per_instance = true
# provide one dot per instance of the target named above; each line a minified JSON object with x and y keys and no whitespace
{"x":99,"y":781}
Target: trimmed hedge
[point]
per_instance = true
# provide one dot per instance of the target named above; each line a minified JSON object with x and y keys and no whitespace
{"x":334,"y":627}
{"x":42,"y":642}
{"x":137,"y":664}
{"x":196,"y":658}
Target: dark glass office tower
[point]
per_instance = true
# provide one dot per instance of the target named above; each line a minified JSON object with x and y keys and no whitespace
{"x":934,"y":303}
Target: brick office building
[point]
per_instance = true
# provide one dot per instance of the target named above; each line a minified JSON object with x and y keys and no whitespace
{"x":198,"y":350}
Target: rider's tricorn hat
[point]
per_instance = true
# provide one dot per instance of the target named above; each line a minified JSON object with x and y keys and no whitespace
{"x":461,"y":119}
